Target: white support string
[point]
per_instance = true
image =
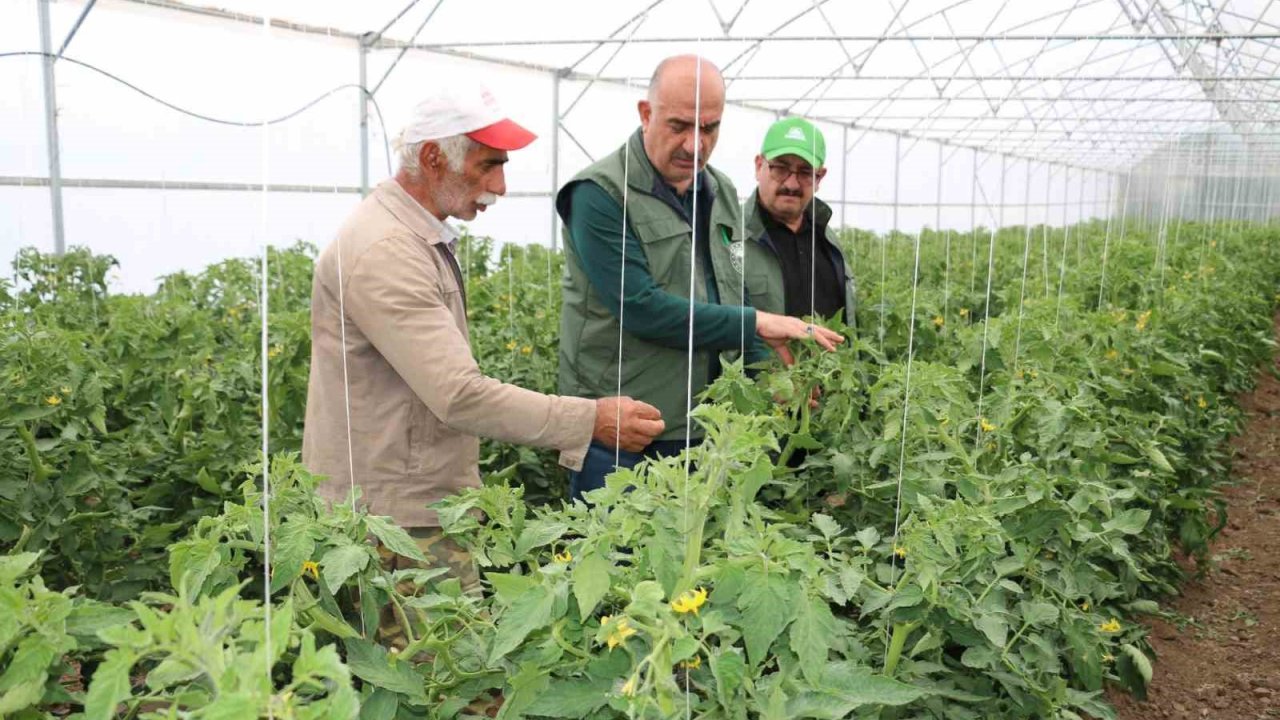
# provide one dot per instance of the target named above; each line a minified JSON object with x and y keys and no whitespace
{"x":693,"y":265}
{"x":622,"y":298}
{"x":1066,"y":238}
{"x":1106,"y":240}
{"x":813,"y":223}
{"x":264,"y":311}
{"x":986,"y":324}
{"x":1044,"y":227}
{"x":902,"y":447}
{"x":1026,"y":256}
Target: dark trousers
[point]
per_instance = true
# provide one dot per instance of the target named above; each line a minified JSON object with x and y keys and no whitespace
{"x":599,"y":462}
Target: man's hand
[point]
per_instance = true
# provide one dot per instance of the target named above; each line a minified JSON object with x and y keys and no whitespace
{"x":776,"y":330}
{"x":626,"y":423}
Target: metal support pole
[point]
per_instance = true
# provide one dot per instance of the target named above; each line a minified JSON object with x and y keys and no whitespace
{"x":364,"y":114}
{"x":51,"y":129}
{"x":75,"y":28}
{"x":555,"y":157}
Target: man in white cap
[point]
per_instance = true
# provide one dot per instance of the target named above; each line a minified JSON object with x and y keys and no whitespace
{"x":395,"y":402}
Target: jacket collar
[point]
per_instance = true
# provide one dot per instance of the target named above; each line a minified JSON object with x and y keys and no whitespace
{"x":412,"y":215}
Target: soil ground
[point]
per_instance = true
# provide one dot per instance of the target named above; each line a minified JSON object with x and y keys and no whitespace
{"x":1218,"y":649}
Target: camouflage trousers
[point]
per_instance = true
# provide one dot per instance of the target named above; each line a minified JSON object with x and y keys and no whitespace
{"x":441,"y":552}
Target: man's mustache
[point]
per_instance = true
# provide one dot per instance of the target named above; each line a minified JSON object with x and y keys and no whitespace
{"x":786,"y":192}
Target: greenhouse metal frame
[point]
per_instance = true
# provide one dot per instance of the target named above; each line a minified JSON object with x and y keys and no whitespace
{"x":1202,"y":114}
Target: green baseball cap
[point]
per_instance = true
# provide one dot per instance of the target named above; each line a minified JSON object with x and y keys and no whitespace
{"x":795,"y":136}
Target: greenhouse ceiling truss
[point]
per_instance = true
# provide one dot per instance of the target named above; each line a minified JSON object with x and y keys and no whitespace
{"x":1208,"y":106}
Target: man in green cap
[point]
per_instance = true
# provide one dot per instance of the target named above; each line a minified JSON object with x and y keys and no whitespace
{"x":642,"y":225}
{"x":793,"y":261}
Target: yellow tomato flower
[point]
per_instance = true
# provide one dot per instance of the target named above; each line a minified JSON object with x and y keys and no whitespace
{"x":629,"y":687}
{"x":1085,"y":606}
{"x":693,"y":664}
{"x":64,"y":390}
{"x":526,"y":350}
{"x":274,"y":352}
{"x":1110,"y":626}
{"x":564,"y":557}
{"x":620,"y":631}
{"x":311,"y":568}
{"x":511,"y":345}
{"x":689,"y":601}
{"x":1112,"y":354}
{"x":900,"y":552}
{"x":1200,"y":403}
{"x":1142,"y":320}
{"x":964,"y":312}
{"x":987,"y":426}
{"x":938,"y":321}
{"x":53,"y":400}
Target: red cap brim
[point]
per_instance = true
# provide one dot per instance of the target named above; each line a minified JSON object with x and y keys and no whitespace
{"x":503,"y":135}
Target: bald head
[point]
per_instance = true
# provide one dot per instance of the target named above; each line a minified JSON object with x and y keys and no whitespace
{"x":682,"y":71}
{"x":680,"y":118}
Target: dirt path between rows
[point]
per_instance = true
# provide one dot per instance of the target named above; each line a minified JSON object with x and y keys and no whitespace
{"x":1218,"y":653}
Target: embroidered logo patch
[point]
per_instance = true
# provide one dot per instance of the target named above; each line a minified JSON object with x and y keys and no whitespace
{"x":736,"y":253}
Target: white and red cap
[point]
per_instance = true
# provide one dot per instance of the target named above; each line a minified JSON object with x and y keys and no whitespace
{"x":464,"y":109}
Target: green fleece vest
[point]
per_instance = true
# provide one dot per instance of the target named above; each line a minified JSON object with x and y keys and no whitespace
{"x":589,"y":330}
{"x":764,"y":271}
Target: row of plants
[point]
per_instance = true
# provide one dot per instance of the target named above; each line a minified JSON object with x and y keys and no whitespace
{"x":968,"y":524}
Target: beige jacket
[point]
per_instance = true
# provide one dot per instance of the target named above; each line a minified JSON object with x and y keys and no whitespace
{"x":418,"y":401}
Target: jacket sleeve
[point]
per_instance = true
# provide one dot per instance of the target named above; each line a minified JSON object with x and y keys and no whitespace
{"x":394,"y":295}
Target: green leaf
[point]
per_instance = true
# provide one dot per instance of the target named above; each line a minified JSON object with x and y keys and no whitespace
{"x":767,"y":605}
{"x":231,"y":706}
{"x":21,"y":696}
{"x":868,"y":537}
{"x":1158,"y":459}
{"x":538,"y":533}
{"x":811,"y":636}
{"x":826,"y":525}
{"x":729,"y":669}
{"x":15,"y":566}
{"x":30,"y":663}
{"x":571,"y":698}
{"x":530,"y":611}
{"x":372,"y":663}
{"x":523,"y":689}
{"x":341,"y":563}
{"x":846,"y":687}
{"x":394,"y":537}
{"x":31,"y":413}
{"x":1129,"y":522}
{"x":1134,"y":670}
{"x":110,"y":685}
{"x":590,"y":582}
{"x":994,"y":627}
{"x":509,"y":586}
{"x":1038,"y":612}
{"x":292,"y":545}
{"x":381,"y":704}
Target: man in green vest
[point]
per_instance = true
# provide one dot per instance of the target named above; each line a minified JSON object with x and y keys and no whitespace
{"x":651,"y":234}
{"x":793,"y":260}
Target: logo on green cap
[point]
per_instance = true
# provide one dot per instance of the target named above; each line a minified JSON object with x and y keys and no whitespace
{"x":795,"y":136}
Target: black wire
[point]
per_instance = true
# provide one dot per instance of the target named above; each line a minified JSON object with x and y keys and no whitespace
{"x":221,"y":121}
